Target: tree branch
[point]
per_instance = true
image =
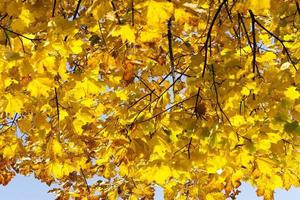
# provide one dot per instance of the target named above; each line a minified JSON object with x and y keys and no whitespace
{"x":254,"y":42}
{"x":18,"y":34}
{"x":77,"y":9}
{"x":57,"y":106}
{"x":132,"y":12}
{"x":54,"y":7}
{"x":170,"y":37}
{"x":280,"y":40}
{"x":208,"y":37}
{"x":115,"y":11}
{"x":169,"y":108}
{"x":298,"y":7}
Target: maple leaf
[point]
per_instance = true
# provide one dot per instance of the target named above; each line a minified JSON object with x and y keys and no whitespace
{"x":126,"y":33}
{"x":292,"y":93}
{"x":13,"y":104}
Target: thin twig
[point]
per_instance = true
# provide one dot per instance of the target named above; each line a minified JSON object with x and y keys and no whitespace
{"x":132,"y":12}
{"x":281,"y":42}
{"x":217,"y":95}
{"x":86,"y":183}
{"x":157,"y":98}
{"x":18,"y":34}
{"x":208,"y":37}
{"x":115,"y":11}
{"x":57,"y":106}
{"x":169,"y":108}
{"x":77,"y":9}
{"x":189,"y":147}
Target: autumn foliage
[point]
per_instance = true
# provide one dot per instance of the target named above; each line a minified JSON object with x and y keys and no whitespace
{"x":108,"y":99}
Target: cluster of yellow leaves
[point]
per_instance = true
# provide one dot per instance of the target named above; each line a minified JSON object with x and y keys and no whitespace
{"x":137,"y":93}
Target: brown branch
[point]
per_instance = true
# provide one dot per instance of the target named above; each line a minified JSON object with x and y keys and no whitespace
{"x":23,"y":48}
{"x":217,"y":95}
{"x":280,"y":40}
{"x":208,"y":37}
{"x":57,"y":106}
{"x":196,"y":103}
{"x":231,"y":20}
{"x":115,"y":11}
{"x":132,"y":12}
{"x":18,"y":34}
{"x":3,"y":17}
{"x":245,"y":29}
{"x":254,"y":42}
{"x":254,"y":49}
{"x":77,"y":9}
{"x":54,"y":7}
{"x":7,"y":40}
{"x":142,"y":81}
{"x":165,"y":78}
{"x":298,"y":7}
{"x":10,"y":124}
{"x":189,"y":147}
{"x":140,"y":99}
{"x":157,"y":98}
{"x":170,"y":45}
{"x":86,"y":183}
{"x":176,"y":104}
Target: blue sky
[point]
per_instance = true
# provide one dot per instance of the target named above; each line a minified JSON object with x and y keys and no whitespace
{"x":28,"y":188}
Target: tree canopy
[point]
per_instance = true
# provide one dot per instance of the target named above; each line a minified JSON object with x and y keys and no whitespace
{"x":192,"y":95}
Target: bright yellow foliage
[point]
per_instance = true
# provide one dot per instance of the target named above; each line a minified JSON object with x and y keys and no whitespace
{"x":193,"y":96}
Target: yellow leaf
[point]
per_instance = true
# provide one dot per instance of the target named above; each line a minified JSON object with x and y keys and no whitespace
{"x":75,"y":46}
{"x":81,"y":119}
{"x":215,"y":196}
{"x":122,"y":95}
{"x":14,"y":104}
{"x":126,"y":32}
{"x":263,"y":144}
{"x":86,"y":87}
{"x":245,"y":91}
{"x":63,"y":114}
{"x":56,"y":169}
{"x":99,"y":11}
{"x":274,"y":137}
{"x":181,"y":16}
{"x":215,"y":163}
{"x":162,"y":174}
{"x":26,"y":16}
{"x":57,"y":148}
{"x":10,"y":150}
{"x":259,"y":5}
{"x":39,"y":87}
{"x":289,"y":180}
{"x":100,"y":109}
{"x":158,"y":12}
{"x":24,"y":20}
{"x":237,"y":120}
{"x":237,"y":177}
{"x":149,"y":35}
{"x":292,"y":93}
